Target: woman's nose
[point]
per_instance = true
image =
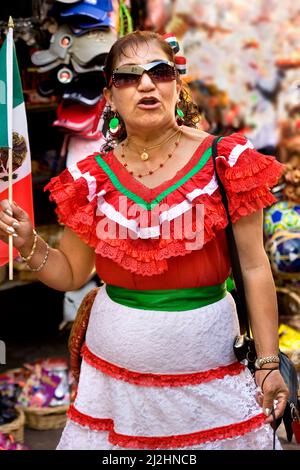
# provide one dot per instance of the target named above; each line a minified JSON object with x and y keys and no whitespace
{"x":146,"y":82}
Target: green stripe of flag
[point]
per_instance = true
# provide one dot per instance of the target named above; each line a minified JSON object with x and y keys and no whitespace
{"x":17,"y":84}
{"x":17,"y":91}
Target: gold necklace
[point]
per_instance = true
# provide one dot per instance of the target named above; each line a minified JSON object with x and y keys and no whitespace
{"x":150,"y":172}
{"x":144,"y":153}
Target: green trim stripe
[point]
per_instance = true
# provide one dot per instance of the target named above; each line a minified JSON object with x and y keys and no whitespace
{"x":116,"y":182}
{"x":170,"y":300}
{"x":134,"y":197}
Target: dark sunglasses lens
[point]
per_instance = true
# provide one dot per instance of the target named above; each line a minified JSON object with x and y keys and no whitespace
{"x":159,"y":73}
{"x":125,"y":79}
{"x":162,"y":73}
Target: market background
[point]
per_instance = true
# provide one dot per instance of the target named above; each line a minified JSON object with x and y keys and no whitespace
{"x":243,"y":69}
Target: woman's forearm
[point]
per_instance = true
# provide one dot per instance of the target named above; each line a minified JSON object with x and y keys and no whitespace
{"x":66,"y":268}
{"x":262,"y":305}
{"x":56,"y":272}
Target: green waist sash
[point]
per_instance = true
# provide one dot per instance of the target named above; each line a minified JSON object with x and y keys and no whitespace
{"x":168,"y":299}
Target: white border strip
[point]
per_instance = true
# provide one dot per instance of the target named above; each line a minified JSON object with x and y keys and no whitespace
{"x":237,"y":151}
{"x":9,"y":84}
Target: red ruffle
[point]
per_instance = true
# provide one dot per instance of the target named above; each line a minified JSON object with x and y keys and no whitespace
{"x":159,"y":380}
{"x":247,"y":184}
{"x":248,"y":181}
{"x":247,"y":203}
{"x":165,"y":442}
{"x":144,"y":257}
{"x":73,"y":209}
{"x":138,"y":262}
{"x":148,"y":257}
{"x":256,"y":170}
{"x":96,"y":424}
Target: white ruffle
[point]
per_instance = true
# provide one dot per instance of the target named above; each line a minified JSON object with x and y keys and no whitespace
{"x":169,"y":214}
{"x":165,"y":411}
{"x":163,"y":342}
{"x":76,"y":437}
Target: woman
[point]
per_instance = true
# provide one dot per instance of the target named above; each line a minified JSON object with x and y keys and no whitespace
{"x":158,"y":367}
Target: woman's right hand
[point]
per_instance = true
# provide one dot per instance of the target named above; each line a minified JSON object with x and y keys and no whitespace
{"x":16,"y":221}
{"x":271,"y":387}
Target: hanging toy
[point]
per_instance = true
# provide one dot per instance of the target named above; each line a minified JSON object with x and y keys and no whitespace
{"x":172,"y":41}
{"x":125,"y":20}
{"x":180,"y":61}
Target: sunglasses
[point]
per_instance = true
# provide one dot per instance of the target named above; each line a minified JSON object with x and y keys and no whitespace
{"x":158,"y":71}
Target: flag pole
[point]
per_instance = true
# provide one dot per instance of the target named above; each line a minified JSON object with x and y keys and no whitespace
{"x":10,"y":132}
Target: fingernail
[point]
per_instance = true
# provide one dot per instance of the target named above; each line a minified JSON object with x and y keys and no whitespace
{"x":9,"y":212}
{"x":15,"y":235}
{"x":267,"y":412}
{"x":10,"y":230}
{"x":16,"y":224}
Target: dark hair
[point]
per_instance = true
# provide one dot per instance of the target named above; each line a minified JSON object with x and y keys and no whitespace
{"x":119,"y":49}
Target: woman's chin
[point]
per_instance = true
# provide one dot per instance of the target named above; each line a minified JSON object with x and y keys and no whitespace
{"x":150,"y":122}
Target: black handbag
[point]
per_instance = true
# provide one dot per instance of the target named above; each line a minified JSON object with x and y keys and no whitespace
{"x":244,"y":346}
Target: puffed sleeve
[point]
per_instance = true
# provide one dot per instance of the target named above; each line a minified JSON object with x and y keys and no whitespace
{"x":247,"y":175}
{"x":75,"y":192}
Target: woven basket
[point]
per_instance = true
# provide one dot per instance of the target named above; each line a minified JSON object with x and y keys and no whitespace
{"x":46,"y":418}
{"x":16,"y":427}
{"x":294,"y":356}
{"x":288,"y":300}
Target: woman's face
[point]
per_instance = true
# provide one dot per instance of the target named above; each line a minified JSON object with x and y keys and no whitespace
{"x":137,"y":116}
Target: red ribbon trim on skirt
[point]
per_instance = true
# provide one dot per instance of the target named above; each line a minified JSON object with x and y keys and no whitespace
{"x":166,"y":442}
{"x":158,"y":380}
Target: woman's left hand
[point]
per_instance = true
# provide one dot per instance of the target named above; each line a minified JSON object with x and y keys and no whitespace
{"x":272,"y":392}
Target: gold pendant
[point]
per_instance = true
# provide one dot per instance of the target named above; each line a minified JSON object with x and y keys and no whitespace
{"x":144,"y":156}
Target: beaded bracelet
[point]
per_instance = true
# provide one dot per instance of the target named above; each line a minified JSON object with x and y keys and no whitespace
{"x":28,"y":258}
{"x":43,"y":262}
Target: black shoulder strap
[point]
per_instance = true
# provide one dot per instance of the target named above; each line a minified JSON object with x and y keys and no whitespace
{"x":233,"y":252}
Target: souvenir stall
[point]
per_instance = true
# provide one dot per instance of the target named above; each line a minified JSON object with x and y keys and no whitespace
{"x":247,"y":79}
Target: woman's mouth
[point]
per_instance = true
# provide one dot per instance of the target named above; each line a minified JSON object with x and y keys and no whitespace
{"x":149,"y":103}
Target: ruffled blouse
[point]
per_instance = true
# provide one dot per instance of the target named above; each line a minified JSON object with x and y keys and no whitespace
{"x":171,"y":236}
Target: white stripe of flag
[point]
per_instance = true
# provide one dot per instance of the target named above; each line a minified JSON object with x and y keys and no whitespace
{"x":13,"y":131}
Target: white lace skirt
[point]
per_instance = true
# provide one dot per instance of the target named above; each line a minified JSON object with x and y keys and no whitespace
{"x":164,"y":380}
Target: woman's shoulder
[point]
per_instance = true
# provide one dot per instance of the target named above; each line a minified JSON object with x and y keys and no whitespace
{"x":92,"y":164}
{"x":92,"y":159}
{"x":243,"y":160}
{"x":85,"y":177}
{"x":237,"y":141}
{"x":246,"y":174}
{"x":195,"y":134}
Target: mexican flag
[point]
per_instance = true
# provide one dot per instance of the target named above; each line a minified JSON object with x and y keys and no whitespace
{"x":13,"y":134}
